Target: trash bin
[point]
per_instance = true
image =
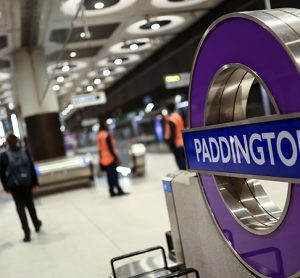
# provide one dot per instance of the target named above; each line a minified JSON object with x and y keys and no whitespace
{"x":137,"y":153}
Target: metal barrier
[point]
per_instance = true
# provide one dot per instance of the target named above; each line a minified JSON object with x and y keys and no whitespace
{"x":146,"y":268}
{"x":62,"y":173}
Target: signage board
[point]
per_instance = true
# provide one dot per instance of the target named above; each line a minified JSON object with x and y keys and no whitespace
{"x":262,"y":149}
{"x":237,"y":160}
{"x":88,"y":99}
{"x":178,"y":80}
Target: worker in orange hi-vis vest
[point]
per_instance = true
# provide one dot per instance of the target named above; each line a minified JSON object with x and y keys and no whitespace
{"x":109,"y":160}
{"x":173,"y":135}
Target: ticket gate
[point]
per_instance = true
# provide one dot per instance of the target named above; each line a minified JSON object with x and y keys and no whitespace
{"x":197,"y":241}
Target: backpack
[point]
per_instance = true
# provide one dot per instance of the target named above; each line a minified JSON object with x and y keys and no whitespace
{"x":19,"y":168}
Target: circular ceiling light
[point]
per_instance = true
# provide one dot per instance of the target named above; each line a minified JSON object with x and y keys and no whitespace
{"x":74,"y":65}
{"x":82,"y":35}
{"x":90,"y":88}
{"x":134,"y":46}
{"x":118,"y":61}
{"x":114,"y":60}
{"x":91,"y":5}
{"x":55,"y":87}
{"x":156,"y":24}
{"x":106,"y":72}
{"x":60,"y":79}
{"x":97,"y":81}
{"x":73,"y":54}
{"x":99,"y":5}
{"x":131,"y":45}
{"x":167,"y":4}
{"x":65,"y":68}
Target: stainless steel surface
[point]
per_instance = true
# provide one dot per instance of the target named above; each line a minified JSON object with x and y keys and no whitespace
{"x":253,"y":209}
{"x":230,"y":99}
{"x":173,"y":218}
{"x":145,"y":265}
{"x":60,"y":173}
{"x":204,"y":247}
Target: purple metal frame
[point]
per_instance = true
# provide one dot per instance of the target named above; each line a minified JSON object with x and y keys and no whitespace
{"x":240,"y":40}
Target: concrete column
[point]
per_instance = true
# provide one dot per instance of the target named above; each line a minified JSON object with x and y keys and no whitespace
{"x":41,"y":116}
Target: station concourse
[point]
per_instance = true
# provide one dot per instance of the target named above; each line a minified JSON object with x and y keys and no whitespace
{"x":70,"y":69}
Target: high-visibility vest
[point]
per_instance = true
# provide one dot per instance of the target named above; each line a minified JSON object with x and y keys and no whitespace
{"x":177,"y":120}
{"x":106,"y":158}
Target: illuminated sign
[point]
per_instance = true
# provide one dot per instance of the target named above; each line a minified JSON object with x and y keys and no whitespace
{"x":263,"y":149}
{"x":177,"y":80}
{"x":89,"y":99}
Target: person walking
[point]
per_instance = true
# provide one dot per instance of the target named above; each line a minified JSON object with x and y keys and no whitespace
{"x":19,"y":179}
{"x":109,"y":160}
{"x":173,"y":135}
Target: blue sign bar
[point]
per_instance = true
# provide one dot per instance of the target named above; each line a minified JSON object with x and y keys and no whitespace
{"x":167,"y":186}
{"x":263,"y":149}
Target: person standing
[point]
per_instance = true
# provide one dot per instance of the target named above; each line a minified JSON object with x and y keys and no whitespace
{"x":108,"y":159}
{"x":173,"y":135}
{"x":19,"y":179}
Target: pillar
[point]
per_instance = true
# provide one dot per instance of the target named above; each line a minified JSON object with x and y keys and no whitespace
{"x":41,"y":114}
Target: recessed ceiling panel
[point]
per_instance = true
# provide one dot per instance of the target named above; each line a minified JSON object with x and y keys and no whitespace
{"x":4,"y":64}
{"x":156,"y":24}
{"x":81,"y":53}
{"x":99,"y":5}
{"x":3,"y":42}
{"x":97,"y":32}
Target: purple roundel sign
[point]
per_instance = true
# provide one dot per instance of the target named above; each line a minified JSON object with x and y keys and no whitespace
{"x":247,"y":65}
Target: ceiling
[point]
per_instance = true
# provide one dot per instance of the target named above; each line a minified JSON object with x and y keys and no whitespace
{"x":117,"y":38}
{"x":89,"y":45}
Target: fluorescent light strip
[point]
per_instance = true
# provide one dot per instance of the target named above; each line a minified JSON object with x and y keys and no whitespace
{"x":15,"y":125}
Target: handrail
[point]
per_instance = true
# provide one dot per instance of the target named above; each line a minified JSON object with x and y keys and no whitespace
{"x":182,"y":272}
{"x":136,"y":253}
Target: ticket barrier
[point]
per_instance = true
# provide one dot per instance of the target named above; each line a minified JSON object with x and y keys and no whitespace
{"x":64,"y":173}
{"x":197,"y":242}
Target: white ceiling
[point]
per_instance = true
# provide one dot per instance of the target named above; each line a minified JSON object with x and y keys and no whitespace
{"x":123,"y":18}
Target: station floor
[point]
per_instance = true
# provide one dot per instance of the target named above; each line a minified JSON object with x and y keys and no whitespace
{"x":84,"y":228}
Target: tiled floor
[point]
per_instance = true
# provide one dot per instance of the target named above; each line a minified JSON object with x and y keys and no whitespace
{"x":84,"y":228}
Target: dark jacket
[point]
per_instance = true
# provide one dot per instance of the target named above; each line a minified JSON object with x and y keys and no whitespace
{"x":3,"y":170}
{"x":171,"y":140}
